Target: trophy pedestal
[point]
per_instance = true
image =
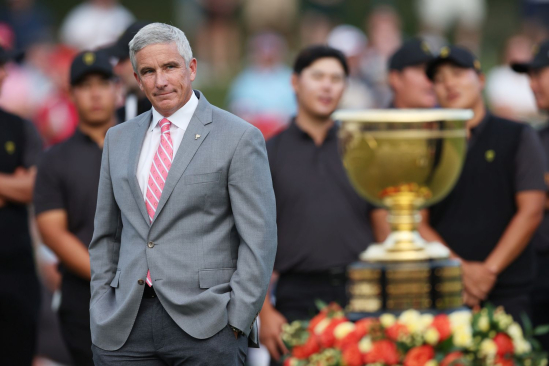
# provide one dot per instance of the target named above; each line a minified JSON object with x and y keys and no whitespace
{"x":416,"y":249}
{"x":431,"y":286}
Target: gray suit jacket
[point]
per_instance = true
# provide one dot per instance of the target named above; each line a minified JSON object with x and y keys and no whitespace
{"x":212,"y":243}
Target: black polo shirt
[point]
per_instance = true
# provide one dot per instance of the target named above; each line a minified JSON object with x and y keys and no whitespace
{"x":322,"y":222}
{"x":68,"y":179}
{"x":541,"y":239}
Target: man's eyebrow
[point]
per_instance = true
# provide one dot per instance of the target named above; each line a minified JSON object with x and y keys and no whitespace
{"x":171,"y":63}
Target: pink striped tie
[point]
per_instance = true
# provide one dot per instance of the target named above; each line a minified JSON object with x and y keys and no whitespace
{"x":160,"y":167}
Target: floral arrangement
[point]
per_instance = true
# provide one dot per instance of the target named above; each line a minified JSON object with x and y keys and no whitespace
{"x":463,"y":338}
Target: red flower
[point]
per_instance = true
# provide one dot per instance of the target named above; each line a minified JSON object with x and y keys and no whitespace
{"x":418,"y":356}
{"x":504,"y":343}
{"x":503,"y":361}
{"x":363,"y":326}
{"x":327,"y":337}
{"x":307,"y":349}
{"x":383,"y":351}
{"x":317,"y":319}
{"x":395,"y":330}
{"x":350,"y":339}
{"x":352,"y":356}
{"x":451,"y":358}
{"x":442,"y":324}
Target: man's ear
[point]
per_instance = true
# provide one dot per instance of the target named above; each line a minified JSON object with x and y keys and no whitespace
{"x":394,"y":79}
{"x":193,"y":66}
{"x":295,"y":82}
{"x":482,"y":80}
{"x":138,"y":79}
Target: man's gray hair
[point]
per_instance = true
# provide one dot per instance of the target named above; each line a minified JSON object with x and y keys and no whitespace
{"x":156,"y":33}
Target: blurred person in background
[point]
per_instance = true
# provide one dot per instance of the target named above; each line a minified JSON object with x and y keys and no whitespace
{"x":31,"y":22}
{"x":537,"y":69}
{"x":508,"y":93}
{"x":535,"y":17}
{"x":323,"y":225}
{"x":20,"y":147}
{"x":262,"y":94}
{"x":410,"y":86}
{"x":56,"y":117}
{"x":218,"y":38}
{"x":439,"y":16}
{"x":383,"y":27}
{"x":352,"y":42}
{"x":317,"y":20}
{"x":26,"y":80}
{"x":499,"y":196}
{"x":278,"y":16}
{"x":135,"y":101}
{"x":95,"y":23}
{"x":65,"y":195}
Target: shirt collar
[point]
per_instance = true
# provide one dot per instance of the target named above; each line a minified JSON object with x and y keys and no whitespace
{"x":180,"y":118}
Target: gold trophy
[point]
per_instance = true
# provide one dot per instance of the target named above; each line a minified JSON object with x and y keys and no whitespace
{"x":403,"y":160}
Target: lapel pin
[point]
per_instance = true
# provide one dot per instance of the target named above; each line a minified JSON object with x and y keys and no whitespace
{"x":196,"y":137}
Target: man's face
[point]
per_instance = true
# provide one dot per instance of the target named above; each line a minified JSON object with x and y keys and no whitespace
{"x":539,"y":82}
{"x":412,"y":87}
{"x":124,"y":70}
{"x":164,"y":78}
{"x":3,"y":75}
{"x":320,"y":86}
{"x":95,"y":99}
{"x":458,"y":87}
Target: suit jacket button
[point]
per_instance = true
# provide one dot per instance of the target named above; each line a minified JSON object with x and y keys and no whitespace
{"x":150,"y":244}
{"x":140,"y":282}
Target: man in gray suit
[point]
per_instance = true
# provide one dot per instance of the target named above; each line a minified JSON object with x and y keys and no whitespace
{"x":185,"y":227}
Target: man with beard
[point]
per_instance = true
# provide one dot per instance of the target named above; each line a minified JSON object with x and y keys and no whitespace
{"x":488,"y":219}
{"x":66,"y":194}
{"x":323,"y":225}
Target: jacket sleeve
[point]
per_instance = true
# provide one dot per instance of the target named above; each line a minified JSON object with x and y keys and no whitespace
{"x":253,"y":206}
{"x":105,"y":244}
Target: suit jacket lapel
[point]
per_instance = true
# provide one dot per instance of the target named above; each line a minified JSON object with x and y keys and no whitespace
{"x":199,"y":125}
{"x":135,"y":151}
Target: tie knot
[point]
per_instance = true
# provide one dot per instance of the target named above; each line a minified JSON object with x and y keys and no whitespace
{"x":165,"y":125}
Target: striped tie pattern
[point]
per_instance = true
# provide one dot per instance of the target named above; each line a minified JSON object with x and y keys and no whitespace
{"x":160,"y":167}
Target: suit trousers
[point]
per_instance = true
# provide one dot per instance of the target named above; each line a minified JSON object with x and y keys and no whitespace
{"x":156,"y":340}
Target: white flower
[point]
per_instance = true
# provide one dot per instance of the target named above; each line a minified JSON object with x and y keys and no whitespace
{"x":343,"y":329}
{"x":463,"y":336}
{"x":412,"y":320}
{"x":322,"y":325}
{"x":387,"y":320}
{"x":431,"y":336}
{"x":459,"y":318}
{"x":515,"y":331}
{"x":521,"y":346}
{"x":484,"y":323}
{"x":427,"y":320}
{"x":365,"y":344}
{"x":488,"y":348}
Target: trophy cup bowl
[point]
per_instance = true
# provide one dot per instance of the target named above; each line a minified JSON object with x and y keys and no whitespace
{"x":403,"y":160}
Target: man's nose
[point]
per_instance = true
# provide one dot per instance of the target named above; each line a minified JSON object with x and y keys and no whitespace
{"x":161,"y":80}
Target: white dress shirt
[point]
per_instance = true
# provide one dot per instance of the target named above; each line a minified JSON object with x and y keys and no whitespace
{"x":180,"y":120}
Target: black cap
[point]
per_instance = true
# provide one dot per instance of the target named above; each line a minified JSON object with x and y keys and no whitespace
{"x":539,"y":61}
{"x":413,"y":52}
{"x":10,"y":55}
{"x":121,"y":49}
{"x":90,"y":62}
{"x":456,"y":55}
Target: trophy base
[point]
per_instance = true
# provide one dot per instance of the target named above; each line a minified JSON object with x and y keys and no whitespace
{"x":432,"y":286}
{"x":415,"y":249}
